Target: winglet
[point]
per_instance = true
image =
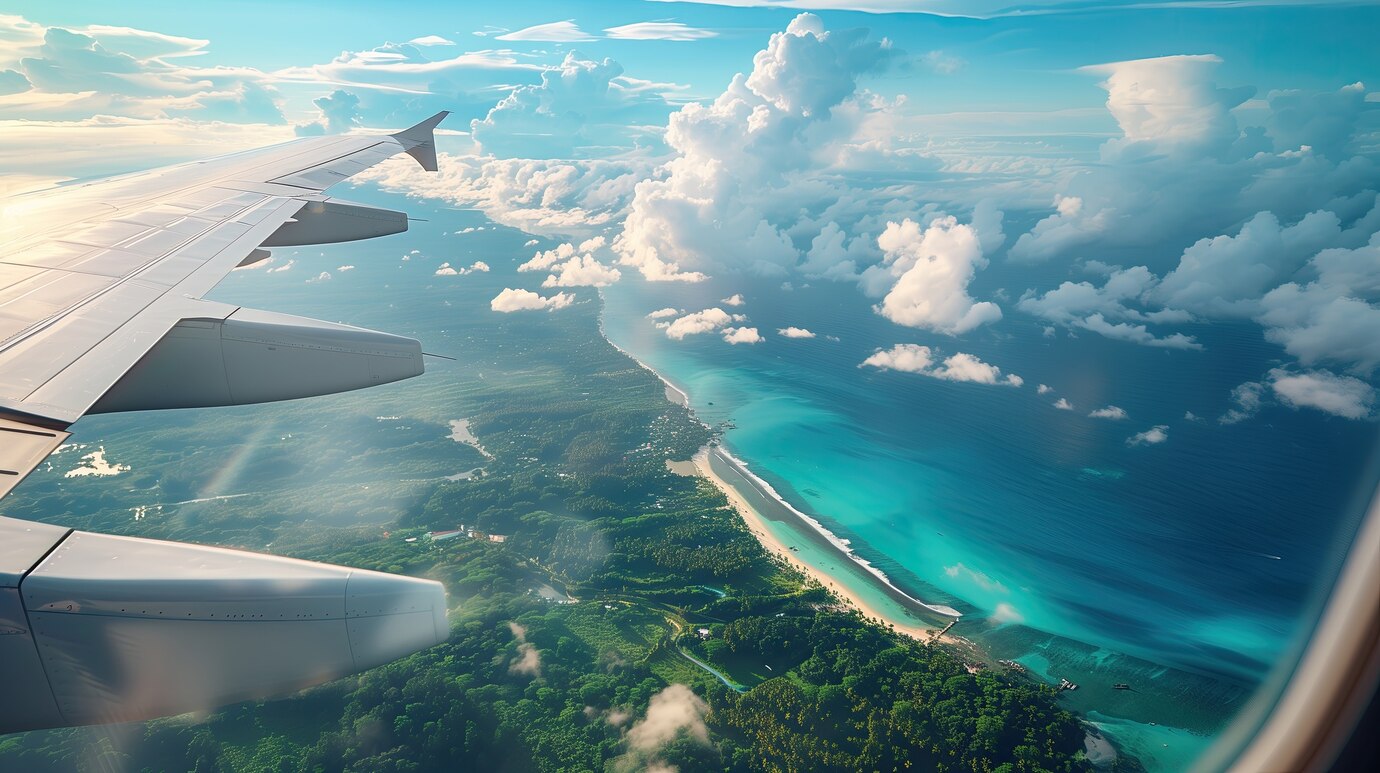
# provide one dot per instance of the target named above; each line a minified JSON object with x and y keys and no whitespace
{"x":420,"y":143}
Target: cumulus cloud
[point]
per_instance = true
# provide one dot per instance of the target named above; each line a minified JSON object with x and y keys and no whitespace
{"x":551,"y":197}
{"x":528,"y":660}
{"x":663,"y":313}
{"x":324,"y":276}
{"x":1334,"y":318}
{"x":544,"y":260}
{"x":1063,"y":404}
{"x":582,"y":271}
{"x":735,"y":299}
{"x":1248,"y":398}
{"x":1139,"y":334}
{"x":932,"y":268}
{"x":707,"y":321}
{"x":343,"y":269}
{"x":1225,"y":276}
{"x":1088,"y":306}
{"x":573,"y":266}
{"x":339,"y":114}
{"x":742,"y":335}
{"x":913,"y":358}
{"x":1110,"y":412}
{"x":578,"y":103}
{"x":794,"y":332}
{"x":511,"y":300}
{"x":446,"y":269}
{"x":1044,"y":389}
{"x":1184,"y":166}
{"x":1343,"y":396}
{"x":1153,"y":436}
{"x":673,"y":712}
{"x":729,"y":193}
{"x":76,"y":73}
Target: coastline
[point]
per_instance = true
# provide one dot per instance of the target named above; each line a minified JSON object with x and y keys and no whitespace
{"x":809,"y":528}
{"x":756,"y":524}
{"x":816,"y":530}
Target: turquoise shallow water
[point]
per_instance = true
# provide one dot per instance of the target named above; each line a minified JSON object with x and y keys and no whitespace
{"x":1188,"y":568}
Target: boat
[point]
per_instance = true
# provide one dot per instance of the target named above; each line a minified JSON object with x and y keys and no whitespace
{"x":1121,"y":686}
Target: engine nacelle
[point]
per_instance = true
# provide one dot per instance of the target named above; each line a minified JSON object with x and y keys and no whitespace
{"x":259,"y":357}
{"x":97,"y":628}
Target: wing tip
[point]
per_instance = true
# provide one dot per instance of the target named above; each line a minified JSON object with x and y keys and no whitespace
{"x":420,"y":141}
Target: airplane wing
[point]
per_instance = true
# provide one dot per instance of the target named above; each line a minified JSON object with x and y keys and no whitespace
{"x":101,"y":310}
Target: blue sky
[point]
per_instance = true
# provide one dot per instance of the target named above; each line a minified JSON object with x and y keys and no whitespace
{"x":1167,"y":164}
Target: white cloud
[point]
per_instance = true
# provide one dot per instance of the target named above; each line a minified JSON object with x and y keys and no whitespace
{"x":1087,"y":306}
{"x":582,"y":271}
{"x":659,"y":30}
{"x":706,"y":321}
{"x":794,"y":332}
{"x":530,"y":243}
{"x":1170,"y":102}
{"x":1004,"y":612}
{"x":1332,"y":319}
{"x":1225,"y":276}
{"x":1343,"y":396}
{"x":343,"y":269}
{"x":933,"y":268}
{"x":1125,"y":331}
{"x":324,"y":276}
{"x":942,"y":63}
{"x":1110,"y":412}
{"x":1044,"y":389}
{"x":1153,"y":436}
{"x":1183,"y":166}
{"x":746,"y":166}
{"x":1063,"y":404}
{"x":733,"y":300}
{"x":446,"y":269}
{"x":581,"y":102}
{"x":431,"y":40}
{"x":511,"y":300}
{"x":742,"y":335}
{"x":671,"y":712}
{"x":551,"y":32}
{"x":339,"y":113}
{"x":663,"y":313}
{"x":549,"y":197}
{"x":1248,"y":398}
{"x":285,"y":267}
{"x":528,"y":660}
{"x":913,"y":358}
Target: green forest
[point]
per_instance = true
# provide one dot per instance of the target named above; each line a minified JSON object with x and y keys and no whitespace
{"x":629,"y":621}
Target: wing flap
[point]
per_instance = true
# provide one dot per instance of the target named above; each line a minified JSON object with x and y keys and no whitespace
{"x":22,"y":448}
